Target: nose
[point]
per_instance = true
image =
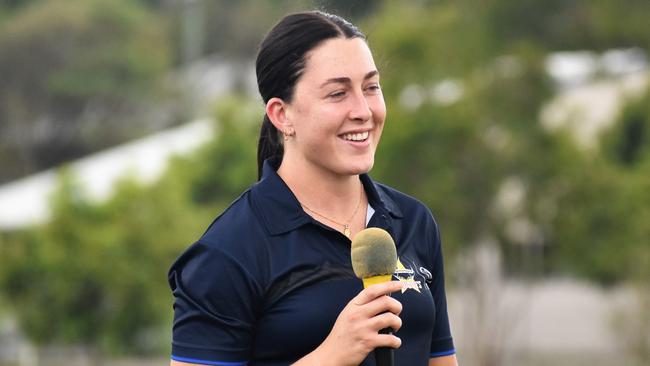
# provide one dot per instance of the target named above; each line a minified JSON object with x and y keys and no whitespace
{"x":360,"y":110}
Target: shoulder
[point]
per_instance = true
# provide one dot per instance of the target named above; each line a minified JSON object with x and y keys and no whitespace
{"x":416,"y":218}
{"x":234,"y":239}
{"x":410,"y":207}
{"x":238,"y":222}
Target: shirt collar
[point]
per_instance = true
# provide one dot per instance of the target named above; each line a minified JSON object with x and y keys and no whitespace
{"x":281,"y":212}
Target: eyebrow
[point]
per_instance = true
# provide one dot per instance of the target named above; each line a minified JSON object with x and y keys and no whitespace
{"x":347,"y":80}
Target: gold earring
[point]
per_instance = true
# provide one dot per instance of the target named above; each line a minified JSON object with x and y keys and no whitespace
{"x":288,"y":133}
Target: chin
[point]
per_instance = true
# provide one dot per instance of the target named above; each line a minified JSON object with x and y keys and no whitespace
{"x":361,"y":168}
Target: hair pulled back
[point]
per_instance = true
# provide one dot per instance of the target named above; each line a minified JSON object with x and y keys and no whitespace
{"x":281,"y":61}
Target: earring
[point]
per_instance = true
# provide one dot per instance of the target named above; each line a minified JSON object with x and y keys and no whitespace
{"x":288,"y":133}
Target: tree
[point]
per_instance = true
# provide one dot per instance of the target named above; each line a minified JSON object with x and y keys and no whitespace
{"x":603,"y":222}
{"x":464,"y":89}
{"x":76,"y":77}
{"x":95,"y":274}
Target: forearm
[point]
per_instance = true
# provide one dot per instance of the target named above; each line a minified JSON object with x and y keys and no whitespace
{"x":326,"y":354}
{"x":314,"y":358}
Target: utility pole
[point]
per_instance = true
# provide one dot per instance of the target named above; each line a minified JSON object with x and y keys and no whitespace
{"x":192,"y":29}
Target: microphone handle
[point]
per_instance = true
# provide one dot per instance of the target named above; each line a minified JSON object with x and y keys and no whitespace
{"x":385,"y":356}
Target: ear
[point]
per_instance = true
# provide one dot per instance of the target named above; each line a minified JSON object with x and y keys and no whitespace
{"x":276,"y":109}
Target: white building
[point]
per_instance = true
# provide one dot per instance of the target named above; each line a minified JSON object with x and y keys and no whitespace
{"x":25,"y":202}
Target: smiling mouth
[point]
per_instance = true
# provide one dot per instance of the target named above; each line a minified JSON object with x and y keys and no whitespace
{"x":358,"y":137}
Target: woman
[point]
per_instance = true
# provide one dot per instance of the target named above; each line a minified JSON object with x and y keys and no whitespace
{"x":270,"y":282}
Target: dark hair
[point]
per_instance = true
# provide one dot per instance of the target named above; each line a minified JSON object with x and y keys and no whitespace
{"x":281,"y":61}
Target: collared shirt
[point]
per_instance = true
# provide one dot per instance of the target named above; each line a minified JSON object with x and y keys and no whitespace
{"x":266,"y":282}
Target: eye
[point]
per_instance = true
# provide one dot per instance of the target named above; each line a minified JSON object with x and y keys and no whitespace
{"x":337,"y":94}
{"x":373,"y":88}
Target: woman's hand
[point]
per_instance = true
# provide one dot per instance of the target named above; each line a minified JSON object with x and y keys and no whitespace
{"x":356,"y":331}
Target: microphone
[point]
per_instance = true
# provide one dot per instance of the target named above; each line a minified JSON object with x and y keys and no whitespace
{"x":374,"y":259}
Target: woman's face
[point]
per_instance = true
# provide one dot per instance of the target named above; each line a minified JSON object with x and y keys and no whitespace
{"x":337,"y":110}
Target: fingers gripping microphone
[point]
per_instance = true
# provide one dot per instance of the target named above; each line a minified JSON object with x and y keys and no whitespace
{"x":374,"y":259}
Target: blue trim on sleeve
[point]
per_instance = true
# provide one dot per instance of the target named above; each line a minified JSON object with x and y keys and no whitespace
{"x":444,"y":353}
{"x":205,"y":362}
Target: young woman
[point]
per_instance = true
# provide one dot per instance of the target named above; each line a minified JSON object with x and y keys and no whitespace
{"x":270,"y":282}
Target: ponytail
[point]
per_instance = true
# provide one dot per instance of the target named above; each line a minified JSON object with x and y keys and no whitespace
{"x":269,"y":145}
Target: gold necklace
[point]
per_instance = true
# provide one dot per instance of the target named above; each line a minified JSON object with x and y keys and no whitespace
{"x":346,"y":227}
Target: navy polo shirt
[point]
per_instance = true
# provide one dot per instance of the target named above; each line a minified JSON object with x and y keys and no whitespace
{"x":266,"y":282}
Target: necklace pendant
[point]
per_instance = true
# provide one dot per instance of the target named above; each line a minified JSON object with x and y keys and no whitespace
{"x":346,"y":230}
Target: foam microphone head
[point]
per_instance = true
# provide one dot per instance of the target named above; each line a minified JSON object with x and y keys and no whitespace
{"x":374,"y":256}
{"x":374,"y":259}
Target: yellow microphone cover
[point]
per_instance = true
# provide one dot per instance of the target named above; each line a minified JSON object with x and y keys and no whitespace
{"x":373,"y":253}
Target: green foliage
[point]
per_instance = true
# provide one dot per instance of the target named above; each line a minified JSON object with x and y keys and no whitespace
{"x":235,"y":28}
{"x":76,"y":77}
{"x":95,"y":47}
{"x":455,"y":155}
{"x":628,"y":143}
{"x":95,"y":274}
{"x":229,"y":162}
{"x":588,"y":214}
{"x":602,"y":229}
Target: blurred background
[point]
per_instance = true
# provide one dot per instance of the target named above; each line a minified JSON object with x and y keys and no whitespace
{"x":126,"y":126}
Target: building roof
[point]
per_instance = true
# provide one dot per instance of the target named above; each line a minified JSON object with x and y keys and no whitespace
{"x":25,"y":201}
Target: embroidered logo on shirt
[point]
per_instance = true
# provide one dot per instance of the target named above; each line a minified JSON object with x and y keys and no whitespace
{"x":406,"y":276}
{"x":426,"y":274}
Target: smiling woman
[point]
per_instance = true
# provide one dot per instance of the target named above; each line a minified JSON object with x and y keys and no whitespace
{"x":271,"y":282}
{"x":336,"y":117}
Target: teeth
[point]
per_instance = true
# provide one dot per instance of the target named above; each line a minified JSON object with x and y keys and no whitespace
{"x":356,"y":136}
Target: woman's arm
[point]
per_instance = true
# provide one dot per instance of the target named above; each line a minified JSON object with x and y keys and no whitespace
{"x":355,"y":332}
{"x":444,"y":361}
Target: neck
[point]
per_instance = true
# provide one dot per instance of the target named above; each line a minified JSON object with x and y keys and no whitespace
{"x":330,"y":194}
